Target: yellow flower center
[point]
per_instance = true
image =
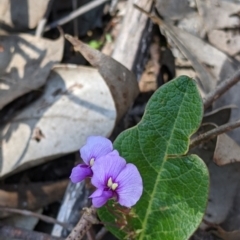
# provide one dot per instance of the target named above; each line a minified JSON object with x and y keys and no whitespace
{"x":112,"y":185}
{"x":92,"y":162}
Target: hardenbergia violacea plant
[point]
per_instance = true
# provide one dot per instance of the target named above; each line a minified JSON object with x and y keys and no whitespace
{"x":147,"y":185}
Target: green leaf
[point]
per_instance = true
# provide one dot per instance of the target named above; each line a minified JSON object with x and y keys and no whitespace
{"x":95,"y":44}
{"x":175,"y":184}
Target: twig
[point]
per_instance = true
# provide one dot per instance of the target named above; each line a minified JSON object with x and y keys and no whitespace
{"x":101,"y":233}
{"x":113,"y":7}
{"x":36,"y":215}
{"x":214,"y":132}
{"x":43,"y":21}
{"x":75,"y":21}
{"x":81,"y":10}
{"x":90,"y":234}
{"x":221,"y":89}
{"x":88,"y":218}
{"x":19,"y":233}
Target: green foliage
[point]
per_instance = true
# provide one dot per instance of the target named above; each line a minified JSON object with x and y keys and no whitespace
{"x":175,"y":184}
{"x":95,"y":44}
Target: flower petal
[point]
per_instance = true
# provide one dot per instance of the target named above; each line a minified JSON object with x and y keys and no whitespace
{"x":99,"y":201}
{"x":97,"y":193}
{"x":130,"y":186}
{"x":96,"y":146}
{"x":80,"y":172}
{"x":108,"y":166}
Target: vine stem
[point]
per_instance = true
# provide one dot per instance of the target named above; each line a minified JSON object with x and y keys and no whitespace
{"x":88,"y":218}
{"x":213,"y":133}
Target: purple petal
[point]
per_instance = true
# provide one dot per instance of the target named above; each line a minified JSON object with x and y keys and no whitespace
{"x":100,"y":200}
{"x":108,"y":166}
{"x":80,"y":172}
{"x":97,"y":193}
{"x":130,"y":186}
{"x":96,"y":146}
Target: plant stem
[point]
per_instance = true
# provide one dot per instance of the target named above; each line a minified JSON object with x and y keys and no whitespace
{"x":214,"y":132}
{"x":88,"y":218}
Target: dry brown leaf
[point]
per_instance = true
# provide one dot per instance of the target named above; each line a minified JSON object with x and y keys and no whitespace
{"x":210,"y":11}
{"x":192,"y":23}
{"x":25,"y":63}
{"x":211,"y":64}
{"x":226,"y":41}
{"x":21,"y":14}
{"x":31,"y":196}
{"x":76,"y":103}
{"x":121,"y":82}
{"x":226,"y":151}
{"x":173,"y":9}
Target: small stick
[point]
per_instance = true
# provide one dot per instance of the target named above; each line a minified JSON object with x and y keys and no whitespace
{"x":90,"y":234}
{"x":43,"y":21}
{"x":36,"y":215}
{"x":214,"y":132}
{"x":80,"y":11}
{"x":75,"y":21}
{"x":221,"y":89}
{"x":19,"y":233}
{"x":88,"y":218}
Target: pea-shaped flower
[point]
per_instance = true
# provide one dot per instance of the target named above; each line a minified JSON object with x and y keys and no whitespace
{"x":95,"y":148}
{"x":116,"y":179}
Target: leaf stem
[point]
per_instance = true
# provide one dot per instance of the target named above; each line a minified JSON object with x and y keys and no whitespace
{"x":213,"y":133}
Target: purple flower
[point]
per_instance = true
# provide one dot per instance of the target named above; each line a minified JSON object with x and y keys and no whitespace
{"x":95,"y":148}
{"x":116,"y":179}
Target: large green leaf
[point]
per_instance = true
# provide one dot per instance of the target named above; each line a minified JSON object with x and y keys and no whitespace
{"x":175,"y":184}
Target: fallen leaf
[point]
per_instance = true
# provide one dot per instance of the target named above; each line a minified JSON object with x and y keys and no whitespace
{"x":173,"y":9}
{"x":22,"y":14}
{"x":192,"y":23}
{"x":76,"y":103}
{"x":25,"y":63}
{"x":215,"y":64}
{"x":121,"y":82}
{"x":211,"y":10}
{"x":226,"y":151}
{"x":187,"y":46}
{"x":31,"y":196}
{"x":226,"y":41}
